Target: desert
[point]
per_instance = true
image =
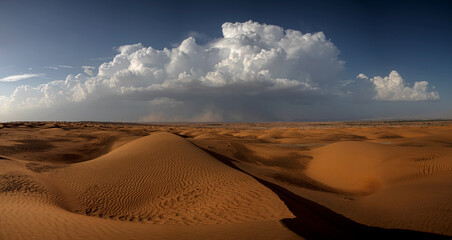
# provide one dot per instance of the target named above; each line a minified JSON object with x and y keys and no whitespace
{"x":233,"y":120}
{"x":317,"y":180}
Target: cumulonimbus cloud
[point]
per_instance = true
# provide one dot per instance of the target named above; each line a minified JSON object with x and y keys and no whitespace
{"x":253,"y":72}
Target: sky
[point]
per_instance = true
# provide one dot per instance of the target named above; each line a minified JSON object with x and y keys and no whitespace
{"x":202,"y":61}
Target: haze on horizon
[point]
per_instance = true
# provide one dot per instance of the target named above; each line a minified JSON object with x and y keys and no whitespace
{"x":201,"y":62}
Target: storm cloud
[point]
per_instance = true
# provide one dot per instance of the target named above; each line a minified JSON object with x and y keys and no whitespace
{"x":255,"y":72}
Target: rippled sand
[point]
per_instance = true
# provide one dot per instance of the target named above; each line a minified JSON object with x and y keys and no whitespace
{"x":225,"y":181}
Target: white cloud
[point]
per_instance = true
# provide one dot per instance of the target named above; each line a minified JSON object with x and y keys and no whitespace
{"x":56,"y":67}
{"x":362,"y":76}
{"x":394,"y":88}
{"x":64,"y":66}
{"x":15,"y":78}
{"x":89,"y":70}
{"x":254,"y":72}
{"x":239,"y":76}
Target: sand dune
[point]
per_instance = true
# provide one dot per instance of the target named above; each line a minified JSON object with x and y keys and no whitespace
{"x":396,"y":181}
{"x":30,"y":219}
{"x":163,"y":178}
{"x":390,"y":177}
{"x":158,"y":180}
{"x":355,"y":180}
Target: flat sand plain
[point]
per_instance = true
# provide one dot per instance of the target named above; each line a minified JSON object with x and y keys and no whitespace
{"x":323,"y":180}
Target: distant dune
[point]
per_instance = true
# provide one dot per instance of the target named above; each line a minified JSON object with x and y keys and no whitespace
{"x":407,"y":187}
{"x":225,"y":181}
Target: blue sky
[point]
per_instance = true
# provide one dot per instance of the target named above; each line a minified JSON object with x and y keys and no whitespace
{"x":47,"y":40}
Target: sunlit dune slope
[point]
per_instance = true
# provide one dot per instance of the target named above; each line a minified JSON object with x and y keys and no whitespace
{"x":383,"y":174}
{"x":163,"y":178}
{"x":159,"y":186}
{"x":400,"y":186}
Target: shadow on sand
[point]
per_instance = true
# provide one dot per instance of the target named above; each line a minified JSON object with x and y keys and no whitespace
{"x":314,"y":221}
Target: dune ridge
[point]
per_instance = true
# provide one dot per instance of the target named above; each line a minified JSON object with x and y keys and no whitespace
{"x":382,"y":176}
{"x":157,"y":180}
{"x":355,"y":180}
{"x":172,"y":182}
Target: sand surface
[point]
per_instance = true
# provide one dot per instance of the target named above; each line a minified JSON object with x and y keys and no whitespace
{"x":224,"y":181}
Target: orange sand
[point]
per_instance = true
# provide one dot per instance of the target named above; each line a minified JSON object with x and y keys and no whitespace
{"x":120,"y":181}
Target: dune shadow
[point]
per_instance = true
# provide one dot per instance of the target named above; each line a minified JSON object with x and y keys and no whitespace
{"x":26,"y":145}
{"x":314,"y":221}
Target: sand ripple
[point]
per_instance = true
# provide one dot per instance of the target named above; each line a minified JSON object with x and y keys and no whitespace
{"x":160,"y":179}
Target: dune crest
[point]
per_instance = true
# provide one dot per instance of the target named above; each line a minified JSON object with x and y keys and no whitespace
{"x":87,"y":180}
{"x":160,"y":180}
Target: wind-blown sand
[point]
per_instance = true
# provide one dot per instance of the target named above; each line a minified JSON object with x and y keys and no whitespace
{"x":225,"y":181}
{"x":407,"y":187}
{"x":155,"y":180}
